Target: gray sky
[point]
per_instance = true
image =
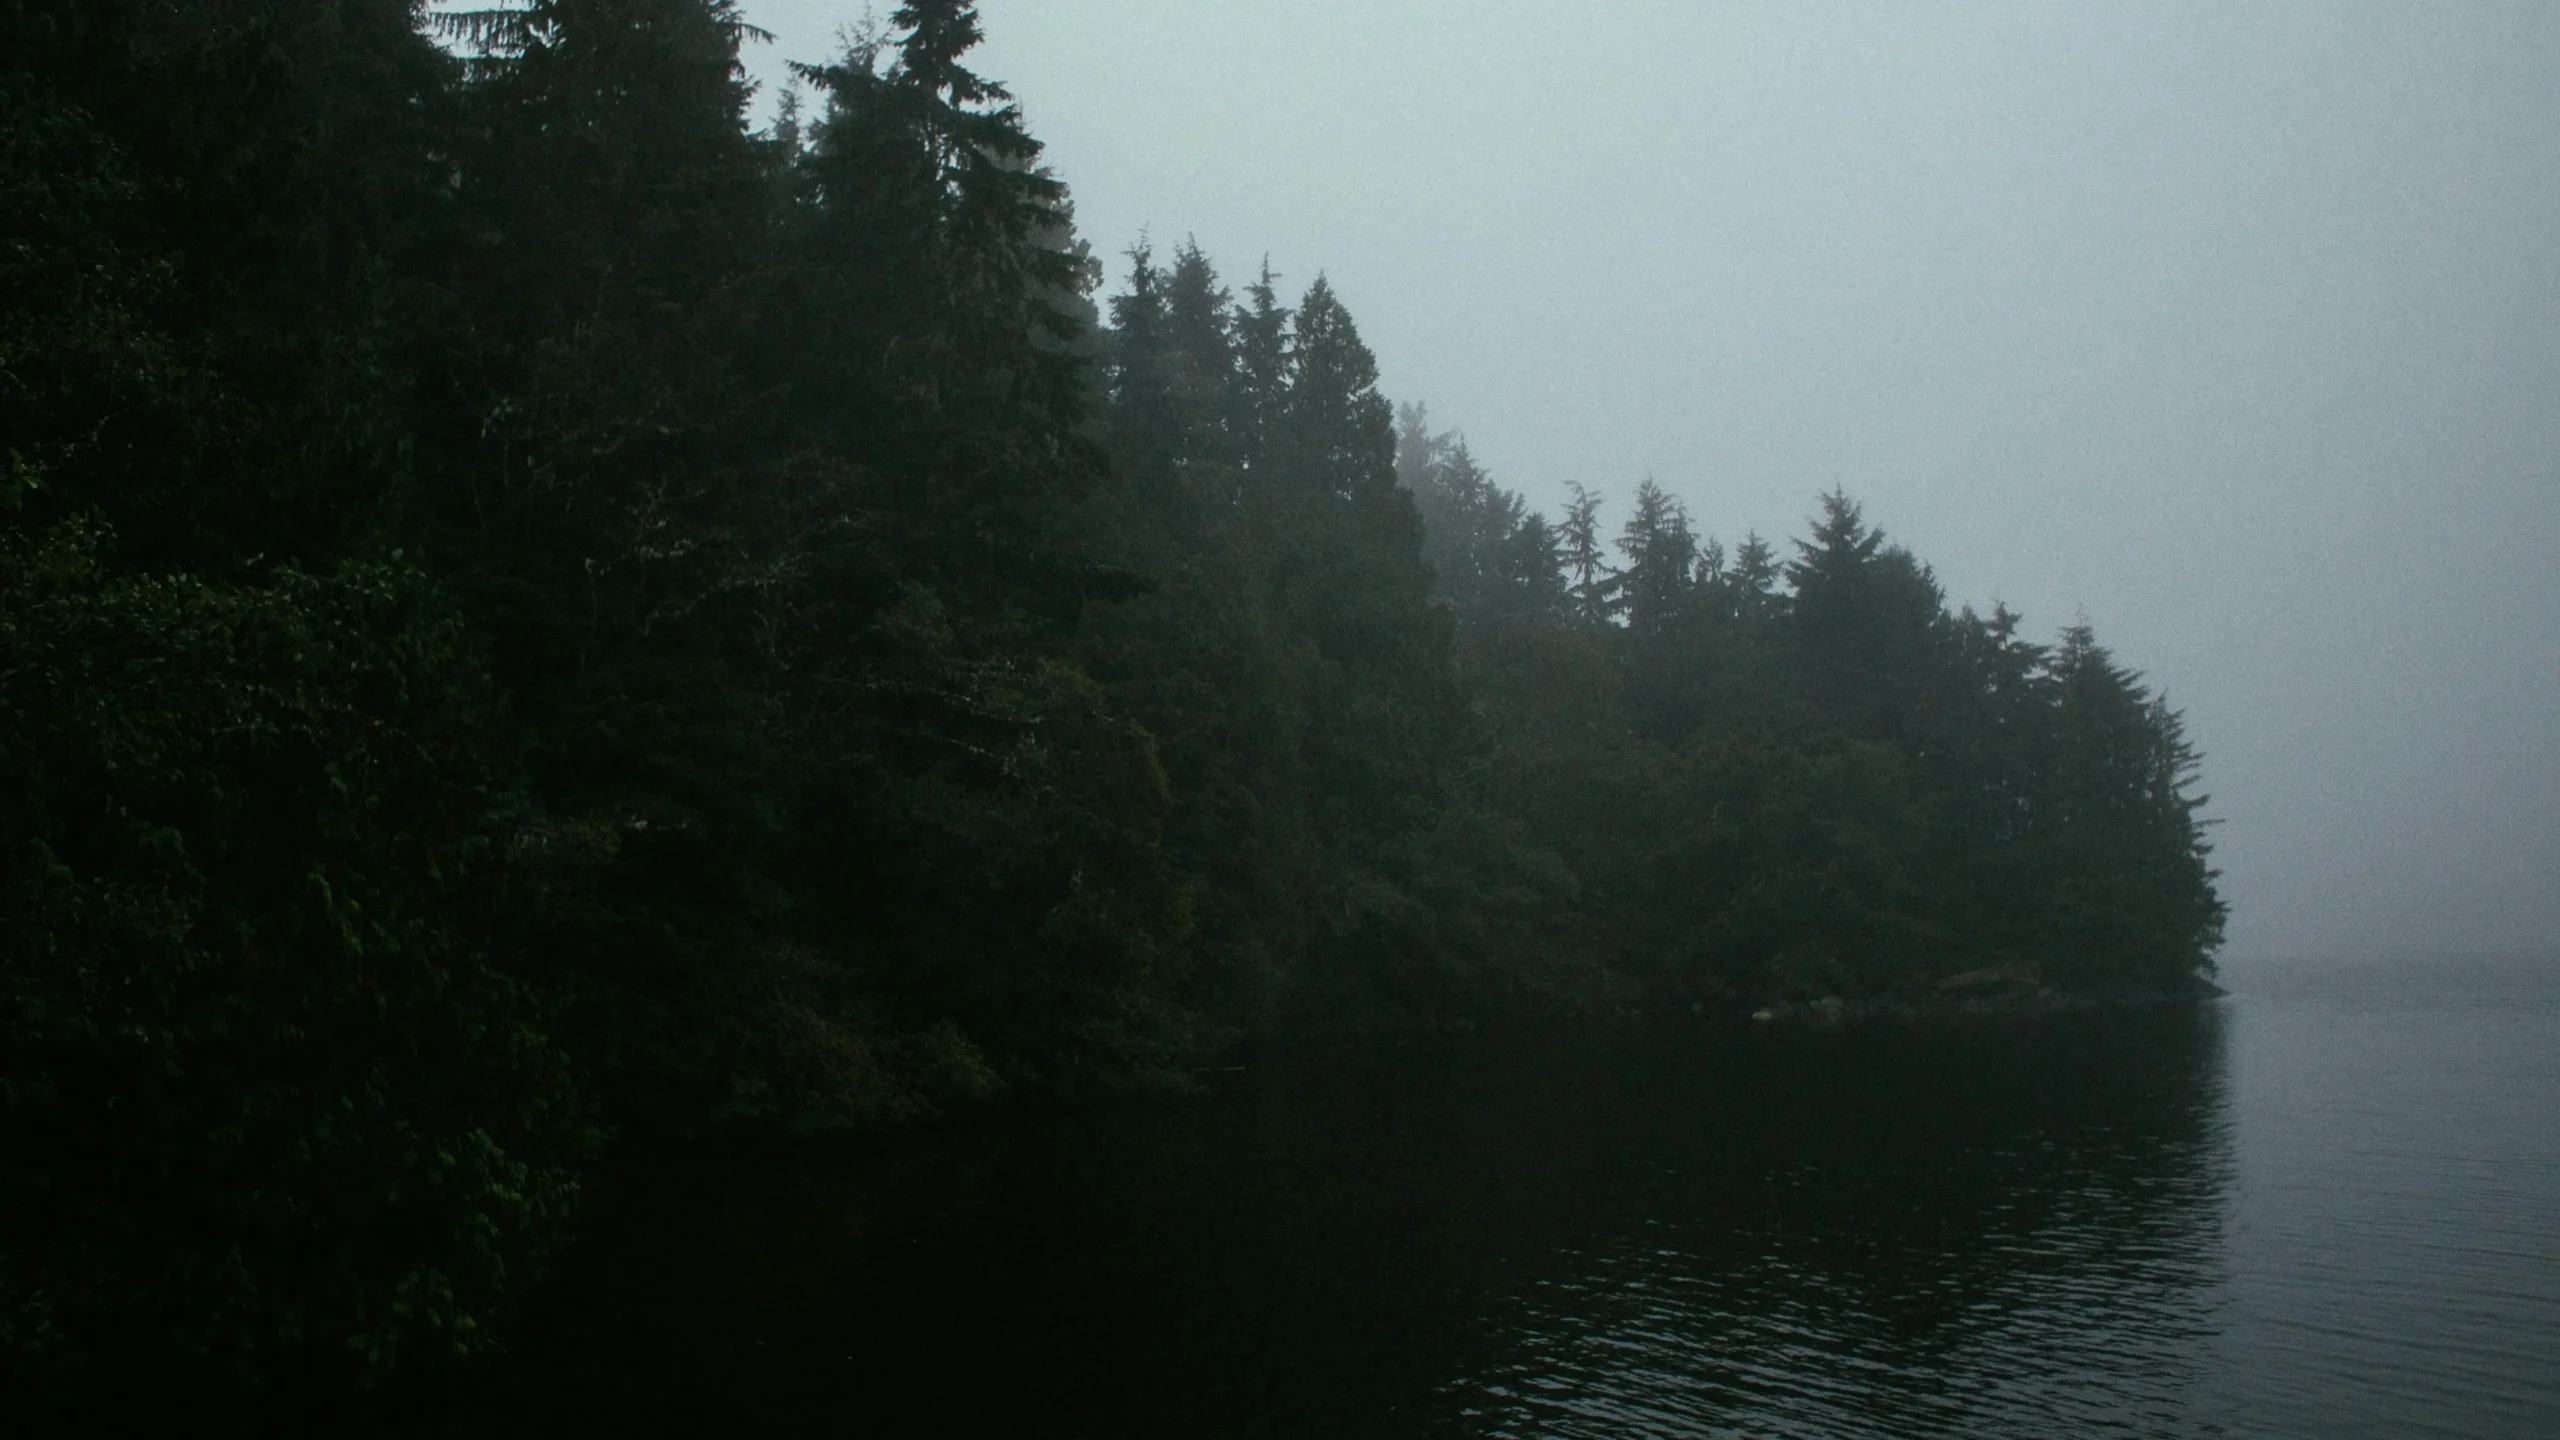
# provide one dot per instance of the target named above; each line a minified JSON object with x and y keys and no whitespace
{"x":2235,"y":327}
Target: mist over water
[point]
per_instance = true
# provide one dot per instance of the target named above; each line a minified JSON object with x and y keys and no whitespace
{"x":2393,"y":1251}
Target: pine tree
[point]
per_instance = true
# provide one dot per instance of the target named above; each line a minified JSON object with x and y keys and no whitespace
{"x":208,"y":211}
{"x":1866,"y":618}
{"x":1468,"y":522}
{"x":2132,"y":899}
{"x":1592,"y":582}
{"x":1661,"y":553}
{"x":1262,"y":359}
{"x":1200,"y":331}
{"x":1754,"y":574}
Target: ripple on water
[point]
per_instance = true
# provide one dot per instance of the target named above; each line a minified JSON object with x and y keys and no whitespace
{"x":2353,"y":1230}
{"x":2327,"y":1207}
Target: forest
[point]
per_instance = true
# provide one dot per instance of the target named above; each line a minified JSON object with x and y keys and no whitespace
{"x":538,"y":615}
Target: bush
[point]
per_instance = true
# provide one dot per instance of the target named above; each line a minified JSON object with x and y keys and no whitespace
{"x":262,"y":1095}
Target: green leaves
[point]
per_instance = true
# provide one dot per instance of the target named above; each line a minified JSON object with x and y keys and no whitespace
{"x":250,"y":1034}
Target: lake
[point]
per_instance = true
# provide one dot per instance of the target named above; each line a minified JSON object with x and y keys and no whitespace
{"x":2326,"y":1206}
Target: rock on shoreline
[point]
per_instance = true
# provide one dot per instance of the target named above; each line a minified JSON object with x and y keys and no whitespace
{"x":1998,"y":990}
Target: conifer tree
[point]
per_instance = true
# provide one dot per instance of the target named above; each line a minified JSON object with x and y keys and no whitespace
{"x":1661,"y":553}
{"x":1592,"y":582}
{"x":1199,"y":323}
{"x":1866,"y":618}
{"x":207,"y":212}
{"x":1261,"y":329}
{"x":2132,"y":898}
{"x":1754,"y":573}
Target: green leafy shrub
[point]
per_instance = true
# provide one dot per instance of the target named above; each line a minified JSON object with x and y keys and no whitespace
{"x":261,"y":1093}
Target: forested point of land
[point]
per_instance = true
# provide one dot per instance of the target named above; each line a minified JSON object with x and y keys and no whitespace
{"x":535,"y":613}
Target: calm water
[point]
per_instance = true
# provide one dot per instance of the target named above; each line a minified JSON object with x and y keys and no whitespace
{"x":2328,"y":1206}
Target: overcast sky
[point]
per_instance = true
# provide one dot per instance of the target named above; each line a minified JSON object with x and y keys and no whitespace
{"x":2234,"y":327}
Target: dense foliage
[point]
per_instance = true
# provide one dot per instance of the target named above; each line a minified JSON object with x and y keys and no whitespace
{"x":529,"y":608}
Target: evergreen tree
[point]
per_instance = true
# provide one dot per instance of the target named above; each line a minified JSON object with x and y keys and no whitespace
{"x":1591,"y":581}
{"x":1201,"y":332}
{"x":1661,"y":553}
{"x":1753,"y":575}
{"x":1866,"y":619}
{"x":1468,"y":522}
{"x":2132,"y":899}
{"x":207,"y":212}
{"x":1261,"y":330}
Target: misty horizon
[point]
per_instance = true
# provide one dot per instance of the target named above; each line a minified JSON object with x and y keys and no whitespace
{"x":2237,"y":332}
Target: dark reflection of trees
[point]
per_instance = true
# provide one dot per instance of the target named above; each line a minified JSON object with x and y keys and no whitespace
{"x":2008,"y":1229}
{"x":1475,"y":1234}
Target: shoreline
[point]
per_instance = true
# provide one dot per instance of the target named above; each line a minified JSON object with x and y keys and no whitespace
{"x":1973,"y":1000}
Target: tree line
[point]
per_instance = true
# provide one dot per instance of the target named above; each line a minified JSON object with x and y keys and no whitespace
{"x":533,"y":610}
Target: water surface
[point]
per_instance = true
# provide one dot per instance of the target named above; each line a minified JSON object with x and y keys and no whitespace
{"x":2327,"y":1206}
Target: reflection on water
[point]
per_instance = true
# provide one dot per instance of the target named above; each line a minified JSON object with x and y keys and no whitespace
{"x":1997,"y":1229}
{"x":2009,"y":1231}
{"x":2329,"y":1206}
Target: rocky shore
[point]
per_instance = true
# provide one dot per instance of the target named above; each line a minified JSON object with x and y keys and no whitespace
{"x":1994,"y":990}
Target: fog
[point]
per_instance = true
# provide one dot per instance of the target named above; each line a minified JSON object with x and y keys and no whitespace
{"x":2236,"y":329}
